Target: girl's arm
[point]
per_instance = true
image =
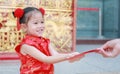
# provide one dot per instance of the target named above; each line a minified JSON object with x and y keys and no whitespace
{"x":54,"y":52}
{"x":32,"y":51}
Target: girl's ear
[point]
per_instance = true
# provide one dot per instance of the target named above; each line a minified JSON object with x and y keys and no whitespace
{"x":24,"y":27}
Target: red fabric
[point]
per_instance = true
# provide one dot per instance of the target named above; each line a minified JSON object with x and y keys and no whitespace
{"x":30,"y":65}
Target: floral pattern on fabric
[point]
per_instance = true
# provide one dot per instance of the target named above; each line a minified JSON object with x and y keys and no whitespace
{"x":30,"y":65}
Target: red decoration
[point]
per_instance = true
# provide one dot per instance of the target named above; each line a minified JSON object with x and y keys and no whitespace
{"x":42,"y":11}
{"x":4,"y":14}
{"x":86,"y":52}
{"x":4,"y":21}
{"x":18,"y":13}
{"x":0,"y":25}
{"x":88,"y":9}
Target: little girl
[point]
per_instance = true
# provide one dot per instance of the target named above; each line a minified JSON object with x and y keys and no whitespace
{"x":36,"y":53}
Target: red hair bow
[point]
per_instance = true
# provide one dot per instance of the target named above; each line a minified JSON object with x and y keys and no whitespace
{"x":18,"y":13}
{"x":42,"y":11}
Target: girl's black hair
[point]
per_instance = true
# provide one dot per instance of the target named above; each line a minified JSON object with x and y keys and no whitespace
{"x":26,"y":10}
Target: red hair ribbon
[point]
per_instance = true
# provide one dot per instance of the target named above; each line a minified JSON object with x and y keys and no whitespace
{"x":42,"y":11}
{"x":18,"y":13}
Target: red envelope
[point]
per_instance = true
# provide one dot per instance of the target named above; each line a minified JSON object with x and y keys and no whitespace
{"x":84,"y":53}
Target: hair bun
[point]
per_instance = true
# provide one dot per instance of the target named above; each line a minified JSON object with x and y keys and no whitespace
{"x":18,"y":12}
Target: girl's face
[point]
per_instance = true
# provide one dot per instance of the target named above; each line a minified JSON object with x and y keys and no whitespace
{"x":35,"y":25}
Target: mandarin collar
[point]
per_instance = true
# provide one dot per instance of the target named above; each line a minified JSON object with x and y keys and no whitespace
{"x":33,"y":36}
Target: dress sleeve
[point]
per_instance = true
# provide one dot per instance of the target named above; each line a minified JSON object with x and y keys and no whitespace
{"x":28,"y":42}
{"x":17,"y":48}
{"x":48,"y":41}
{"x":32,"y":42}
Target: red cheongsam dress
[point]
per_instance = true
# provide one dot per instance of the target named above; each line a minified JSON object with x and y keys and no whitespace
{"x":30,"y":65}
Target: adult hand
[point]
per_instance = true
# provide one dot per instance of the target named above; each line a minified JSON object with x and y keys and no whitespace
{"x":111,"y":48}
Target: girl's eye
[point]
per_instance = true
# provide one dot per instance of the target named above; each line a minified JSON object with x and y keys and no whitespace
{"x":35,"y":23}
{"x":42,"y":21}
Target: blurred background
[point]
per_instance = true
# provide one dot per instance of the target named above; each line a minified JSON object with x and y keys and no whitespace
{"x":78,"y":25}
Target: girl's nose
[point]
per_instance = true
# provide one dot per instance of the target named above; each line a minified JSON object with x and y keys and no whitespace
{"x":41,"y":25}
